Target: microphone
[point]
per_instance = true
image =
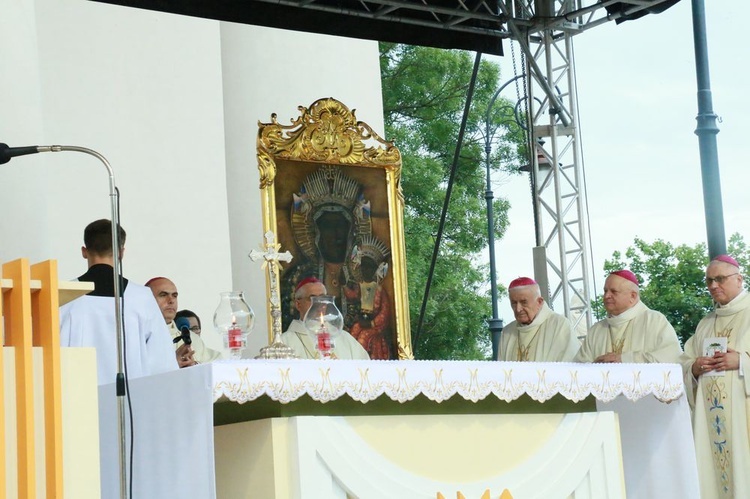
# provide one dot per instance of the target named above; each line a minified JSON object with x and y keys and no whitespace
{"x":6,"y":153}
{"x":183,"y":324}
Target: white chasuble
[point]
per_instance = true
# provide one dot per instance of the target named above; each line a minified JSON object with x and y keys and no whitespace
{"x":303,"y":342}
{"x":639,"y":334}
{"x":721,"y":404}
{"x":549,"y":338}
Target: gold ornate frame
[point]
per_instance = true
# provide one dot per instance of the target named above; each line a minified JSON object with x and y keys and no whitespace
{"x":328,"y":135}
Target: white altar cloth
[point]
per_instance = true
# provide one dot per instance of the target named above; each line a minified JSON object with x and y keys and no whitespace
{"x":658,"y":455}
{"x":285,"y":381}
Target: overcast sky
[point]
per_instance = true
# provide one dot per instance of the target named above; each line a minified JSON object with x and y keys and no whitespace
{"x":637,"y":100}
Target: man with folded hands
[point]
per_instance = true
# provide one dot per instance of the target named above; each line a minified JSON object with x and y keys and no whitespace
{"x":632,"y":332}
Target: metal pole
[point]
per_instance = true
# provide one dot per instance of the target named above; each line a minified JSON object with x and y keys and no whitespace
{"x":6,"y":153}
{"x":119,"y":325}
{"x":706,"y":131}
{"x":495,"y":324}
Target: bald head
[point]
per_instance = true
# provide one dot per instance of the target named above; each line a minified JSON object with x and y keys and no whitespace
{"x":165,"y":293}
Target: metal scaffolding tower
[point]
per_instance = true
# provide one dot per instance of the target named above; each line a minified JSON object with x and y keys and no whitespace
{"x":544,"y":29}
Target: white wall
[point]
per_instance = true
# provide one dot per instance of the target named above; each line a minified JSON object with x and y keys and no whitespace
{"x":173,"y":103}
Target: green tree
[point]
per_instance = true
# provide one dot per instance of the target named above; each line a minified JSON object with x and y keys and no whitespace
{"x":672,"y":279}
{"x":424,"y":92}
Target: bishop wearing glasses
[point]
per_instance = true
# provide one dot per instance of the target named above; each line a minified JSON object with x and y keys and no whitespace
{"x":716,"y":363}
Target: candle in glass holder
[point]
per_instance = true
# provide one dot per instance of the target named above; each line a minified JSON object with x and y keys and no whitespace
{"x":234,"y":335}
{"x":323,"y":340}
{"x":324,"y":345}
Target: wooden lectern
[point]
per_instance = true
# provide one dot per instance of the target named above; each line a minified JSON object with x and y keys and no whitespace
{"x":35,"y":373}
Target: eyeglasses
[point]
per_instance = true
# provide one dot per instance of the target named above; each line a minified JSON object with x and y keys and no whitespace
{"x":719,"y":279}
{"x":196,"y":329}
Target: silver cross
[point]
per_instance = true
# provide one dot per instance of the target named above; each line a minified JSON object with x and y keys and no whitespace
{"x":271,"y":254}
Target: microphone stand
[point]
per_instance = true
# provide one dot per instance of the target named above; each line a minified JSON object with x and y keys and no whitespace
{"x":117,"y":271}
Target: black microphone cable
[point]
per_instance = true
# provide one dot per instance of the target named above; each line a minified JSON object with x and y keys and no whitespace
{"x":126,"y":377}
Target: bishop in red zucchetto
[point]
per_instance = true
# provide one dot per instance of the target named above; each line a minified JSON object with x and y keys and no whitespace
{"x":538,"y":334}
{"x":631,"y":332}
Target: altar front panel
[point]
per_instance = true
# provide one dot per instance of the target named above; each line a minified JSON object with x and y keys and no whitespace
{"x":412,"y":457}
{"x":649,"y":399}
{"x":448,"y":390}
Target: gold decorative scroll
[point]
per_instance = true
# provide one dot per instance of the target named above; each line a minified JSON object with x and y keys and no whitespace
{"x":326,"y":132}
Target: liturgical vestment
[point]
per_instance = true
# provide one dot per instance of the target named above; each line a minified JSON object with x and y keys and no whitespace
{"x":549,"y":338}
{"x":303,"y":342}
{"x":722,"y":404}
{"x":640,"y":334}
{"x":89,"y":321}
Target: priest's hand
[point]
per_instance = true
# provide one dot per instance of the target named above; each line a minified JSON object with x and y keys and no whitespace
{"x":703,"y":365}
{"x":184,"y":356}
{"x":609,"y":358}
{"x":729,"y":361}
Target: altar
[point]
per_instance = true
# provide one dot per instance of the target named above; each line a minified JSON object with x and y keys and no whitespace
{"x":346,"y":429}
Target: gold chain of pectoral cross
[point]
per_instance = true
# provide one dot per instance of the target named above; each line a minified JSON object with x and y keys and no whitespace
{"x":727,"y":331}
{"x":523,"y":351}
{"x":311,"y":354}
{"x":618,"y":345}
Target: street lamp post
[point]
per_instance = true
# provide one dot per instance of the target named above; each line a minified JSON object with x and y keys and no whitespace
{"x":495,"y":323}
{"x":706,"y":131}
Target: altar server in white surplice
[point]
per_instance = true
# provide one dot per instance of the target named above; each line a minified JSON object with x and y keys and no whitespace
{"x":632,"y":332}
{"x":538,"y":334}
{"x":89,"y":321}
{"x":303,"y":341}
{"x":718,"y":384}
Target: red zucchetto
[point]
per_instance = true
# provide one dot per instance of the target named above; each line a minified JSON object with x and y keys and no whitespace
{"x":726,"y":259}
{"x":521,"y":281}
{"x":626,"y":274}
{"x":307,"y":280}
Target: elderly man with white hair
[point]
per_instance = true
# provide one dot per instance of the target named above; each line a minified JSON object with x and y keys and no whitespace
{"x":303,"y":341}
{"x":538,"y":334}
{"x":716,"y":363}
{"x":632,"y":332}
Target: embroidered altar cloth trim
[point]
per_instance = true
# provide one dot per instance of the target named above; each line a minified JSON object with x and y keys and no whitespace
{"x":287,"y":380}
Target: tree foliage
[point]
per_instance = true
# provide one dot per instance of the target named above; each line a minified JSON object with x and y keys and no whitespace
{"x":424,"y":93}
{"x":672,"y":279}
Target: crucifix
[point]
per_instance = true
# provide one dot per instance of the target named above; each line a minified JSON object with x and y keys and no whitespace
{"x":271,"y":258}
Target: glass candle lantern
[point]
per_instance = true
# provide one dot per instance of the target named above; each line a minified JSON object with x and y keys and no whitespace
{"x":325,"y":321}
{"x":234,"y":320}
